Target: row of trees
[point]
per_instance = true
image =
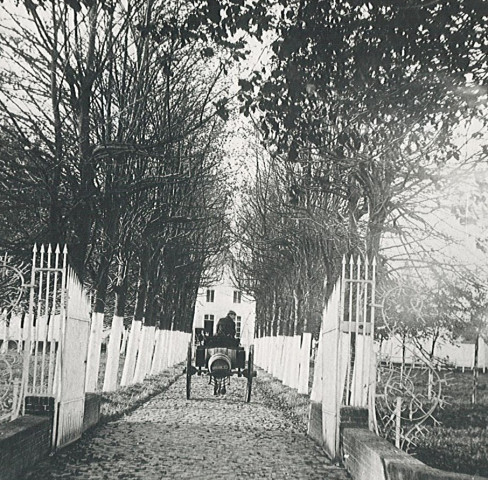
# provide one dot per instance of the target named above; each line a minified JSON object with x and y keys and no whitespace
{"x":111,"y":131}
{"x":111,"y":137}
{"x":359,"y":112}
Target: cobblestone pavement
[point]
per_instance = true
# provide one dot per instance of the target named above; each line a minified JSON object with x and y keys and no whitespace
{"x":206,"y":437}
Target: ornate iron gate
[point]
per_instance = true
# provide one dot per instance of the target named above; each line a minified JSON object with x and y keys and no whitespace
{"x":43,"y":324}
{"x":357,"y":329}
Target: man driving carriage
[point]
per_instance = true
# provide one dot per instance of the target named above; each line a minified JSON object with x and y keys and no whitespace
{"x":227,"y":326}
{"x":226,"y":333}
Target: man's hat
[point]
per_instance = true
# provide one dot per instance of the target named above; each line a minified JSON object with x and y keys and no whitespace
{"x":231,"y":312}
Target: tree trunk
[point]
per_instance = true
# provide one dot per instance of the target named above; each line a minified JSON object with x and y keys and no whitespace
{"x":296,"y":318}
{"x":55,"y":232}
{"x":142,"y":286}
{"x":474,"y":396}
{"x":404,"y":351}
{"x":102,"y":285}
{"x":84,"y":210}
{"x":121,"y":289}
{"x":430,"y":384}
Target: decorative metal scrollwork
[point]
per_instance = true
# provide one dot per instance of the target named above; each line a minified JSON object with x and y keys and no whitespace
{"x":403,"y":407}
{"x":12,"y":289}
{"x":407,"y":395}
{"x":10,"y":375}
{"x":12,"y":286}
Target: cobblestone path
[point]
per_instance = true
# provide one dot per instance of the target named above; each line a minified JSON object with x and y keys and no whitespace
{"x":206,"y":437}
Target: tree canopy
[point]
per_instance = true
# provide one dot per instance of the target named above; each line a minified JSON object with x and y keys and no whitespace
{"x":360,"y":106}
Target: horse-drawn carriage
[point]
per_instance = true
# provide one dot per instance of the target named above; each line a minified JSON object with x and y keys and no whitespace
{"x":220,"y":358}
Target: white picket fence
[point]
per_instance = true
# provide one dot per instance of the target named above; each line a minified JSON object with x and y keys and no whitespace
{"x":459,"y":355}
{"x":286,"y":358}
{"x":141,"y":351}
{"x":146,"y":350}
{"x":59,"y":344}
{"x":344,"y":363}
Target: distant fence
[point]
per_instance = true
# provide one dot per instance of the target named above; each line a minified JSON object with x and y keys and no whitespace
{"x":458,"y":355}
{"x":286,"y":358}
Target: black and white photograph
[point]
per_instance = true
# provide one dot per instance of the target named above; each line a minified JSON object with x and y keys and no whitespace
{"x":244,"y":239}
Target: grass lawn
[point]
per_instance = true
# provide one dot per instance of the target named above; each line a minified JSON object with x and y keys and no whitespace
{"x":284,"y":398}
{"x":460,"y":443}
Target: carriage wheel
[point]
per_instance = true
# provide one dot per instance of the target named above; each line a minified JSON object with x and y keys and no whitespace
{"x":250,"y":373}
{"x":188,"y":373}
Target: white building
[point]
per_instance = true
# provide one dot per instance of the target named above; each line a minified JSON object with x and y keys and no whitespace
{"x":214,"y":302}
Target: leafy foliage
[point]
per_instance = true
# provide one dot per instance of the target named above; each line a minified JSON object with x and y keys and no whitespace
{"x":357,"y":111}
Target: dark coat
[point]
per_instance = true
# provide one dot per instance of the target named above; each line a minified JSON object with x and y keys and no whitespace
{"x":226,"y":327}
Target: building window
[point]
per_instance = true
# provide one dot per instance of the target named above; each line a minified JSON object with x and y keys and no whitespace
{"x":238,"y":327}
{"x":237,"y":296}
{"x":210,"y":295}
